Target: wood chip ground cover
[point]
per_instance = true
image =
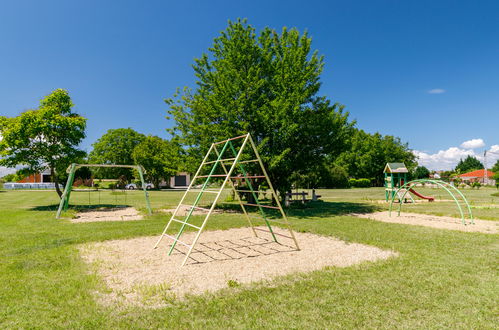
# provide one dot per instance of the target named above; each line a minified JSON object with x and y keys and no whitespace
{"x":108,"y":214}
{"x":137,"y":274}
{"x":417,"y":219}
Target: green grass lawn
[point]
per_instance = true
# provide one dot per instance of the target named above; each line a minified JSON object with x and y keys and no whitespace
{"x":442,"y":278}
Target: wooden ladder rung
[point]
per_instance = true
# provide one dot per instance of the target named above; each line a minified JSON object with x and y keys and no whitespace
{"x":248,"y":191}
{"x":231,"y":139}
{"x":221,"y":160}
{"x":177,"y":240}
{"x":196,"y":207}
{"x":213,"y":175}
{"x":247,"y":161}
{"x":207,"y":191}
{"x":266,"y":206}
{"x":186,"y":223}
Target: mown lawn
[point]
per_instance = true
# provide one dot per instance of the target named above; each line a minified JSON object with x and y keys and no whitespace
{"x":442,"y":278}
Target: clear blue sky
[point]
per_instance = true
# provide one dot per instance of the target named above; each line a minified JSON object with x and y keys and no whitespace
{"x":120,"y":59}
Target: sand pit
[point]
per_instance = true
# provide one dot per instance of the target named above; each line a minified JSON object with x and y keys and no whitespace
{"x":139,"y":275}
{"x":108,"y":214}
{"x":481,"y":226}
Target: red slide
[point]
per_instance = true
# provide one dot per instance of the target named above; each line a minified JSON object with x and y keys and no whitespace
{"x":429,"y":198}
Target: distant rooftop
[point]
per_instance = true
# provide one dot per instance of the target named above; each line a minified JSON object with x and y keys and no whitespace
{"x":477,"y":174}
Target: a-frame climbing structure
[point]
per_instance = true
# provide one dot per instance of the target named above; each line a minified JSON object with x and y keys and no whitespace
{"x":233,"y":163}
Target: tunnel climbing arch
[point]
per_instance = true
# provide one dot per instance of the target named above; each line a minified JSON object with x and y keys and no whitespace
{"x":451,"y":190}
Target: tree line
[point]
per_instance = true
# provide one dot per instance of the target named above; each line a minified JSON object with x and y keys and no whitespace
{"x":263,"y":82}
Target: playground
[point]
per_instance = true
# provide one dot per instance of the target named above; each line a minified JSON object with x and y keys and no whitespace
{"x":249,"y":165}
{"x":355,"y":267}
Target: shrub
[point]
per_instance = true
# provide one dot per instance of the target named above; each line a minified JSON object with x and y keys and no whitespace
{"x":338,"y":177}
{"x":359,"y":183}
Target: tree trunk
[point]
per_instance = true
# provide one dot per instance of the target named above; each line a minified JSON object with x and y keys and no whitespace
{"x":55,"y":179}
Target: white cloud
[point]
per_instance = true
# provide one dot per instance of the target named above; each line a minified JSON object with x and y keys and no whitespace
{"x":492,"y":155}
{"x":436,"y":91}
{"x":6,"y":170}
{"x":444,"y":159}
{"x":473,"y":144}
{"x":494,"y":149}
{"x":448,"y":159}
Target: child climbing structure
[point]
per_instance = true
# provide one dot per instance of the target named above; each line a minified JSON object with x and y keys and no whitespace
{"x":235,"y":163}
{"x":395,"y":178}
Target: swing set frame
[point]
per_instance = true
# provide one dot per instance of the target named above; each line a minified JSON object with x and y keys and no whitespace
{"x":71,"y":170}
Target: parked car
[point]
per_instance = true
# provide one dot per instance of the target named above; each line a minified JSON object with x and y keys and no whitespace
{"x":132,"y":186}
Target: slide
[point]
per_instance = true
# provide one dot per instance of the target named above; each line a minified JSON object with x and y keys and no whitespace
{"x":429,"y":198}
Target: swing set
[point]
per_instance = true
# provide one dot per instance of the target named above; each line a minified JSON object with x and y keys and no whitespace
{"x":64,"y":203}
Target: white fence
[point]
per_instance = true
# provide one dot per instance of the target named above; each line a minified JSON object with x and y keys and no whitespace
{"x":16,"y":185}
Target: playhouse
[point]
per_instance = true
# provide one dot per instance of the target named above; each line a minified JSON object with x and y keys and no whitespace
{"x":395,"y":177}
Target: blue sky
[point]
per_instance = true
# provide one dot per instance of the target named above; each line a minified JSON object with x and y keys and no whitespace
{"x":120,"y":59}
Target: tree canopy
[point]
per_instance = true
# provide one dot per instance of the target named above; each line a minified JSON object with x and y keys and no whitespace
{"x":421,"y":172}
{"x":43,"y":137}
{"x":495,"y":168}
{"x":159,"y":157}
{"x":268,"y":85}
{"x":369,"y":154}
{"x":470,"y":163}
{"x":115,"y":147}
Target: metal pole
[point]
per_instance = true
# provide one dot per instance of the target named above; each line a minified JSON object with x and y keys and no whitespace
{"x":146,"y":194}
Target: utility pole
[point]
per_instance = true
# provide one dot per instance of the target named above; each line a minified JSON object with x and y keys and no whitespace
{"x":485,"y":174}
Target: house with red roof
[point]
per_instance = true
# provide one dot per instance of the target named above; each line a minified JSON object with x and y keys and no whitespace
{"x":479,"y":176}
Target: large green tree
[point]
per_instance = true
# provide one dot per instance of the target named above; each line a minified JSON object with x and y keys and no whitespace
{"x":495,"y":168}
{"x":421,"y":172}
{"x":267,"y":85}
{"x":115,"y":147}
{"x":470,"y":163}
{"x":160,"y":158}
{"x":44,"y":137}
{"x":369,"y":154}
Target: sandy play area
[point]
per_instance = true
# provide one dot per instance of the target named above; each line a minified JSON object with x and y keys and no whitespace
{"x":482,"y":226}
{"x":108,"y":214}
{"x":137,"y":274}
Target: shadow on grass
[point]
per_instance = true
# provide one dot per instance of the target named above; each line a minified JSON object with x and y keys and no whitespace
{"x":54,"y":207}
{"x":311,"y":209}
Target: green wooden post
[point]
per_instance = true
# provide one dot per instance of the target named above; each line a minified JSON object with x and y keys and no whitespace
{"x":64,"y":203}
{"x":146,"y":193}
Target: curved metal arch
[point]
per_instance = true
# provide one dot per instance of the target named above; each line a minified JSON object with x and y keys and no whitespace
{"x":462,"y":195}
{"x":442,"y":184}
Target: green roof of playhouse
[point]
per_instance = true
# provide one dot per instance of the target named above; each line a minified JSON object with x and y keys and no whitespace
{"x":395,"y":168}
